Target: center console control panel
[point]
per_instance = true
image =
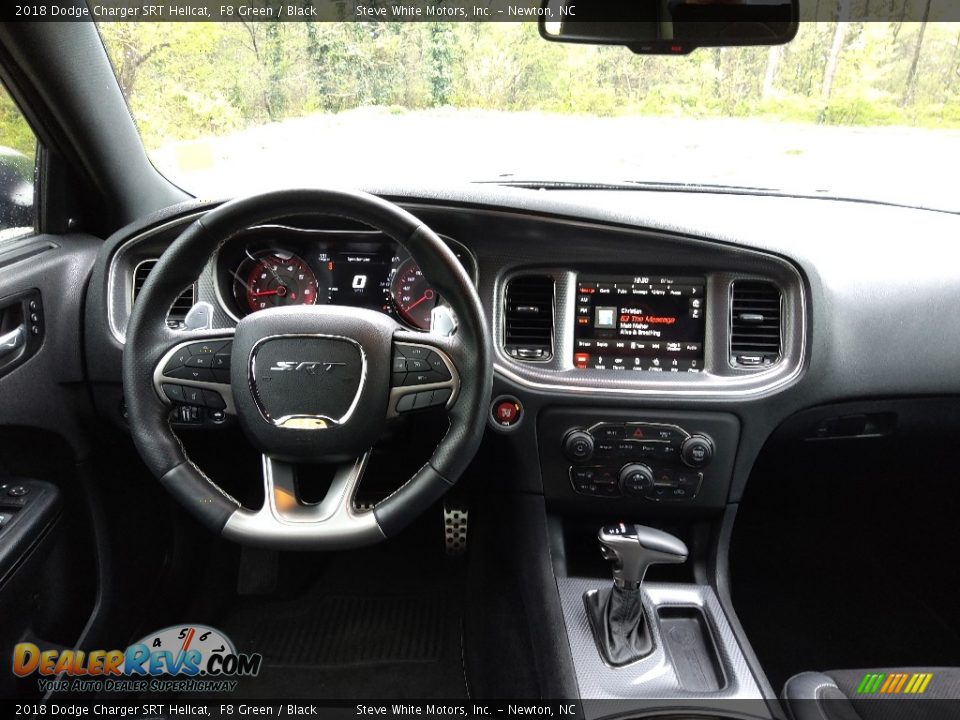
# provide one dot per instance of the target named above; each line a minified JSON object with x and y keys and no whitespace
{"x":621,"y":457}
{"x":659,"y":462}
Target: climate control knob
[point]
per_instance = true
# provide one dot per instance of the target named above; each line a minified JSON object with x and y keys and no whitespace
{"x":697,"y":451}
{"x":578,"y":445}
{"x":635,"y":479}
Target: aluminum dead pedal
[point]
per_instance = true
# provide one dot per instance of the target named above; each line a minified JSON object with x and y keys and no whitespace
{"x":455,"y":528}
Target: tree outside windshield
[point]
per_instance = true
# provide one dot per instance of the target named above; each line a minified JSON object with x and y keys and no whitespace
{"x":846,"y":109}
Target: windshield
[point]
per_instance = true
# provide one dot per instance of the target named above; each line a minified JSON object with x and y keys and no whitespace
{"x":860,"y":110}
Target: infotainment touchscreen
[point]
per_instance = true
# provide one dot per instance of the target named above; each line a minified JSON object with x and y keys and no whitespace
{"x":640,"y":322}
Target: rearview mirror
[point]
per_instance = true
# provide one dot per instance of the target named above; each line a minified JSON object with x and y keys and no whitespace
{"x":670,"y":27}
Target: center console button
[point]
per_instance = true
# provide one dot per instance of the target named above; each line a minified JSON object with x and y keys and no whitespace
{"x":578,"y":445}
{"x":665,"y":477}
{"x":606,"y":447}
{"x":636,"y":479}
{"x":610,"y":433}
{"x":697,"y":451}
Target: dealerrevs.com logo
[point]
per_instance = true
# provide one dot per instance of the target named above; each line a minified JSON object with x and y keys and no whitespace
{"x":180,"y":658}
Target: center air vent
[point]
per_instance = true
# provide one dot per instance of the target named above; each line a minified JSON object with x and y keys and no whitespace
{"x":181,"y":305}
{"x":528,"y":318}
{"x":755,"y":331}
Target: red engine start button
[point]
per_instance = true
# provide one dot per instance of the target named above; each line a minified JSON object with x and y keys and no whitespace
{"x":506,"y":412}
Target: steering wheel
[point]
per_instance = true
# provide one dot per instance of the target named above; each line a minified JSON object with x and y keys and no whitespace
{"x":308,"y":383}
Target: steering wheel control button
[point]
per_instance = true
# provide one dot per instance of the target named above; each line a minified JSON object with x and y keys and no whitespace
{"x":414,"y":352}
{"x":578,"y":445}
{"x":422,"y":400}
{"x":399,"y":364}
{"x":18,"y":491}
{"x":425,"y":399}
{"x":192,"y":395}
{"x":212,"y":399}
{"x":206,"y":348}
{"x":195,"y":374}
{"x":424,"y":377}
{"x":174,"y":393}
{"x":199,"y":361}
{"x":697,"y":451}
{"x":405,"y":403}
{"x":177,"y":360}
{"x":438,"y":365}
{"x":441,"y":396}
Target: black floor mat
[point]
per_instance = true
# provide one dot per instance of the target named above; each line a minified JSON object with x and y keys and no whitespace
{"x":380,"y":622}
{"x":349,"y":630}
{"x":353,"y":646}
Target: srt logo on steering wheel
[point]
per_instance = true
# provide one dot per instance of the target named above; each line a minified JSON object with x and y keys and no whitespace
{"x":308,"y":367}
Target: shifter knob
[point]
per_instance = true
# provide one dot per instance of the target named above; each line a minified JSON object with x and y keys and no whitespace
{"x":634,"y":548}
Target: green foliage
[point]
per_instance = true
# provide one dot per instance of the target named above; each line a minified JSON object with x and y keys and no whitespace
{"x":14,"y":131}
{"x":192,"y":80}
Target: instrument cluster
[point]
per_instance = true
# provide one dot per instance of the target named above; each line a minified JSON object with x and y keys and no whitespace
{"x":275,"y":266}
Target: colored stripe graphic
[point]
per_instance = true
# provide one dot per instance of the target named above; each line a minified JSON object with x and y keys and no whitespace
{"x":890,"y":682}
{"x":894,"y":683}
{"x":903,"y":679}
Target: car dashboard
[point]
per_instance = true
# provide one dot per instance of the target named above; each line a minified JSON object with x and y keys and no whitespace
{"x":716,"y":315}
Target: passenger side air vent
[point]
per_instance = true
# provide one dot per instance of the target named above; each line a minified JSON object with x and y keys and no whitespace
{"x":528,"y":318}
{"x":755,"y":323}
{"x":181,"y":305}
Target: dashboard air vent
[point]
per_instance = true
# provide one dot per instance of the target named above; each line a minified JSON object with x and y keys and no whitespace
{"x":181,"y":305}
{"x":755,"y":323}
{"x":528,"y":318}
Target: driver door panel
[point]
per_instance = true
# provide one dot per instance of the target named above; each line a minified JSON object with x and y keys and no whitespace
{"x":48,"y":564}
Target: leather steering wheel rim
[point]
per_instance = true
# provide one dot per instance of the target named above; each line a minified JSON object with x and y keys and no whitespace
{"x":148,"y":339}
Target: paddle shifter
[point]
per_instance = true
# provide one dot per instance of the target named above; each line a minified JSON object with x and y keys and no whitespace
{"x":616,"y":614}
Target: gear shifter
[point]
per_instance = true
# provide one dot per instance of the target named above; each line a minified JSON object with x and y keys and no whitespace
{"x":616,"y":615}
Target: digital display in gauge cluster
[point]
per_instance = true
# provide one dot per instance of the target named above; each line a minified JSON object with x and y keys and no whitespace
{"x":360,"y":278}
{"x":374,"y":275}
{"x":640,"y":322}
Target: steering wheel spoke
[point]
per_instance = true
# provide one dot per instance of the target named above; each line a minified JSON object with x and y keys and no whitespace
{"x":285,"y":521}
{"x":196,"y":371}
{"x":423,"y":372}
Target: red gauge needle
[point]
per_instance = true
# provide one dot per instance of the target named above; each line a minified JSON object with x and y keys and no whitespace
{"x":265,"y":292}
{"x":426,"y":296}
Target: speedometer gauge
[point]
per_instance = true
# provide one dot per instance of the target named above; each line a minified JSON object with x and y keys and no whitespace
{"x":412,"y":295}
{"x":273,"y":278}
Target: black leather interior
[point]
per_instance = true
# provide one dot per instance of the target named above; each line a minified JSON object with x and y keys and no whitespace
{"x":619,"y":624}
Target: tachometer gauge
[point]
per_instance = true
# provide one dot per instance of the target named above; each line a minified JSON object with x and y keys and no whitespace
{"x":273,"y":278}
{"x":412,"y":295}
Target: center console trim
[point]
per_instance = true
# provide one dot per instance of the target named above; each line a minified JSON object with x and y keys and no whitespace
{"x":653,"y":678}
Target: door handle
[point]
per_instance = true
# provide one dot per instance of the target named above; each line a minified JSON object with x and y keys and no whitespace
{"x":12,"y":340}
